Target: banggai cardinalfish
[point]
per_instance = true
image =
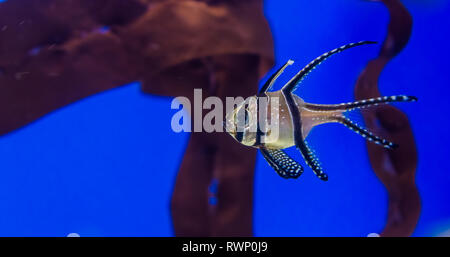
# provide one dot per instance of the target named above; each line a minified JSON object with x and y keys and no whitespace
{"x":292,"y":119}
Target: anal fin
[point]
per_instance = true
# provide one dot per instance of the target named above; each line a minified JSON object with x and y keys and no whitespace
{"x":366,"y":133}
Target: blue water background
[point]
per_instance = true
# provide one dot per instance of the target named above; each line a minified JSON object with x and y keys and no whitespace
{"x":105,"y":166}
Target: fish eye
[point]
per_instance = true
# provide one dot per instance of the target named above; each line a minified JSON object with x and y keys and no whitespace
{"x":242,"y":118}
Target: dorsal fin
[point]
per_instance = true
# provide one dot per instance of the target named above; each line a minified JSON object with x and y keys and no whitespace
{"x":269,"y":83}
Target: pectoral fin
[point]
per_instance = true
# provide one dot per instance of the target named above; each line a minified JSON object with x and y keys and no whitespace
{"x":284,"y":165}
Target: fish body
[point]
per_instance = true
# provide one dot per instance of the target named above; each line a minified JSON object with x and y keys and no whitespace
{"x":285,"y":137}
{"x":272,"y":126}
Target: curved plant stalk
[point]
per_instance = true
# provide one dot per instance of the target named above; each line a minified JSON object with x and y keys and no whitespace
{"x":396,"y":169}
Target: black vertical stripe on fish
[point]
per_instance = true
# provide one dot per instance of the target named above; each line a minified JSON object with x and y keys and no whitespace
{"x":293,"y":83}
{"x":269,"y":83}
{"x":240,"y":126}
{"x":361,"y":104}
{"x":366,"y":134}
{"x":284,"y":165}
{"x":246,"y":119}
{"x":239,"y":136}
{"x":261,"y":117}
{"x":306,"y":152}
{"x":258,"y":128}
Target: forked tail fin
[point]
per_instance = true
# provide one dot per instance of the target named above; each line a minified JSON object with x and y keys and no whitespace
{"x":366,"y":133}
{"x":361,"y":103}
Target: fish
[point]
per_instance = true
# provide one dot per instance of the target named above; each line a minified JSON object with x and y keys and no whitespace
{"x":292,"y":119}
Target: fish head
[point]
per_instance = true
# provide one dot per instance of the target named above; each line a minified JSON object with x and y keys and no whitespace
{"x":241,"y":122}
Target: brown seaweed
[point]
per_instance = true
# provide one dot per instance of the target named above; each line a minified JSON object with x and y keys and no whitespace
{"x":53,"y":53}
{"x":396,"y":169}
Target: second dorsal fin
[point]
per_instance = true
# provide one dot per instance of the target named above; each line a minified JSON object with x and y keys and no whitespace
{"x":293,"y":83}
